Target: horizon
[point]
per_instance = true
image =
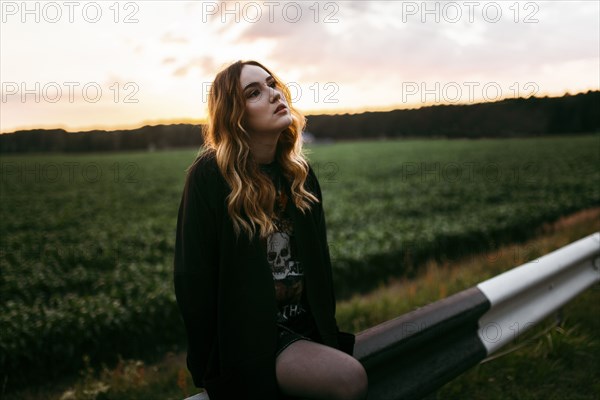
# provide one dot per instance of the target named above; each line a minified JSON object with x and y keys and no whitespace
{"x":201,"y":122}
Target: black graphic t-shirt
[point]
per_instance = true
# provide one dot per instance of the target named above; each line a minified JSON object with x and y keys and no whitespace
{"x":288,"y":273}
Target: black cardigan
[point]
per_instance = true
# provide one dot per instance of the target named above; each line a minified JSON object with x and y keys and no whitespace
{"x":225,"y":291}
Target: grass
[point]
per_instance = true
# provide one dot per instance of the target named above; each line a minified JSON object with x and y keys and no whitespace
{"x":442,"y":279}
{"x":555,"y":361}
{"x":87,"y":240}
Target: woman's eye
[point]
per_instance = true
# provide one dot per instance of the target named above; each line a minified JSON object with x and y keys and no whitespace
{"x":256,"y":92}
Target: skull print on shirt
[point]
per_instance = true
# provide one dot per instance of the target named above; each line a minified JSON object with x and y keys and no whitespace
{"x":288,"y":274}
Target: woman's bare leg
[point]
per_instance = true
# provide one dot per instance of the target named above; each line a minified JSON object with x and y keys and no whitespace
{"x":311,"y":370}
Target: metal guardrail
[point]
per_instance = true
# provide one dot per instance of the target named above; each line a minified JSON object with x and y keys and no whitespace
{"x":412,"y":355}
{"x":523,"y":296}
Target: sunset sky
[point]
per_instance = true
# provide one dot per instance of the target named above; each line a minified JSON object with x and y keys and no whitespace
{"x":83,"y":65}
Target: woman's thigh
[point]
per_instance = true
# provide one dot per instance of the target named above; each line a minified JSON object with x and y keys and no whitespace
{"x":312,"y":370}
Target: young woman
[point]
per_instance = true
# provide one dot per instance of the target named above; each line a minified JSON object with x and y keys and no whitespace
{"x":252,"y":269}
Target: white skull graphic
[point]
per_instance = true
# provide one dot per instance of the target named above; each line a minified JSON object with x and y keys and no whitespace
{"x":278,"y":254}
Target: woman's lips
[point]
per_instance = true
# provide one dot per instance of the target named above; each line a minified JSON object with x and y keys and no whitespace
{"x":280,"y":108}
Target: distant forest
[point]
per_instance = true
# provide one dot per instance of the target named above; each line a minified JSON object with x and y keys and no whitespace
{"x":533,"y":116}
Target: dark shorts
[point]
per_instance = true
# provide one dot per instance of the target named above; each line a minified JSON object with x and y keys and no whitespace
{"x":300,"y":329}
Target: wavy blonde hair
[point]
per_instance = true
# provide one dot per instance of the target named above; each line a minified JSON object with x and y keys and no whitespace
{"x":225,"y":137}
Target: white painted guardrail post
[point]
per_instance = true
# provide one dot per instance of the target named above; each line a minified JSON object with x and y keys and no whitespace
{"x":412,"y":355}
{"x":523,"y":296}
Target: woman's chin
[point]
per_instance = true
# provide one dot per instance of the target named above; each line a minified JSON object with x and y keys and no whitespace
{"x":289,"y":120}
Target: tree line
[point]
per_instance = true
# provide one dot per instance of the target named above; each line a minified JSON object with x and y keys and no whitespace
{"x":531,"y":116}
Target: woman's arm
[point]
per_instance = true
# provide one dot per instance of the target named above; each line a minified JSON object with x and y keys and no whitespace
{"x":196,"y":272}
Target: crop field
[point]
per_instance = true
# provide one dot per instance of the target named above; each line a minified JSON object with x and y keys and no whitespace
{"x":87,"y":240}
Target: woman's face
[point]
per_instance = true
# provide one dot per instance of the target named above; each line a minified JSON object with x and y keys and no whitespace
{"x":267,"y":110}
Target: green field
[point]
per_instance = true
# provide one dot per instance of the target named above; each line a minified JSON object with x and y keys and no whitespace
{"x":87,"y":240}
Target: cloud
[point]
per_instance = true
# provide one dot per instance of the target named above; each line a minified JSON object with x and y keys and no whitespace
{"x":365,"y":44}
{"x":170,"y":38}
{"x":203,"y":64}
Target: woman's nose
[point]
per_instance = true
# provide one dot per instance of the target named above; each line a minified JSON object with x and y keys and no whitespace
{"x":275,"y":95}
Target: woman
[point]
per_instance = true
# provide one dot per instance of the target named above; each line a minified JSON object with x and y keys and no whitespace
{"x":252,"y":270}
